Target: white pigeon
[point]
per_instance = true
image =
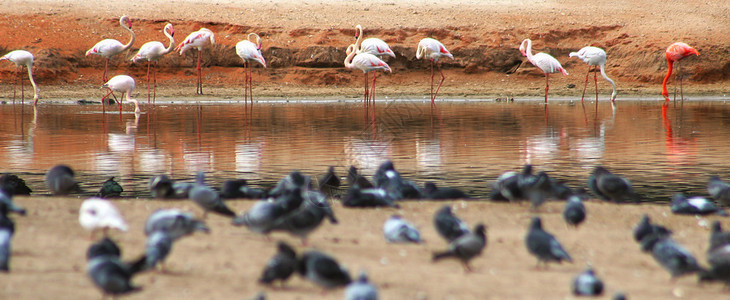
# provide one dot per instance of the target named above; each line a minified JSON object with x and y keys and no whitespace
{"x":397,"y":230}
{"x":97,"y":213}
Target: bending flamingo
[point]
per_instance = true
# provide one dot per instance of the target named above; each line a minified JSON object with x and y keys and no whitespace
{"x":676,"y":52}
{"x":110,"y":47}
{"x":544,"y":61}
{"x":198,"y":39}
{"x":433,"y":50}
{"x":123,"y":84}
{"x":374,"y":46}
{"x":153,"y":51}
{"x":594,"y":57}
{"x":22,"y":58}
{"x":249,"y":51}
{"x":366,"y":63}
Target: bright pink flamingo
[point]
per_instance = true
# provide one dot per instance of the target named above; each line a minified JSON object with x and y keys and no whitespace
{"x":110,"y":47}
{"x":366,"y":63}
{"x":374,"y":46}
{"x":249,"y":51}
{"x":198,"y":39}
{"x":22,"y":58}
{"x":123,"y":84}
{"x":153,"y":51}
{"x":433,"y":50}
{"x":594,"y":57}
{"x":676,"y":52}
{"x":544,"y":61}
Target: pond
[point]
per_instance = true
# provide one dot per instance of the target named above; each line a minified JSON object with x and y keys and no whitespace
{"x":464,"y":144}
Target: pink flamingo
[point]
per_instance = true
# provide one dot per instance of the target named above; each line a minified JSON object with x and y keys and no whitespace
{"x":249,"y":51}
{"x":676,"y":52}
{"x":153,"y":51}
{"x":366,"y":63}
{"x":594,"y":57}
{"x":374,"y":46}
{"x":110,"y":47}
{"x":22,"y":58}
{"x":123,"y":84}
{"x":198,"y":39}
{"x":433,"y":50}
{"x":544,"y":61}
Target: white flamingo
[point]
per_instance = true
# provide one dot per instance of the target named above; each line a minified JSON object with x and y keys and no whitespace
{"x":123,"y":84}
{"x":594,"y":57}
{"x":110,"y":47}
{"x":249,"y":51}
{"x":366,"y":63}
{"x":374,"y":46}
{"x":199,"y":40}
{"x":153,"y":51}
{"x":433,"y":50}
{"x":544,"y":61}
{"x":22,"y":58}
{"x":100,"y":214}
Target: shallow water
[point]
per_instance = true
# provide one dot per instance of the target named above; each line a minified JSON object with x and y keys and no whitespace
{"x":464,"y":144}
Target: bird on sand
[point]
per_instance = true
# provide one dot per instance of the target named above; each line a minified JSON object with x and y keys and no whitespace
{"x":719,"y":260}
{"x":719,"y":190}
{"x":199,"y":39}
{"x":110,"y":189}
{"x":433,"y":50}
{"x":250,"y":51}
{"x":718,"y":237}
{"x":22,"y":58}
{"x":307,"y":218}
{"x":372,"y":197}
{"x":208,"y":199}
{"x":60,"y":180}
{"x":587,"y":284}
{"x":14,"y":185}
{"x":611,"y":187}
{"x":674,"y":53}
{"x":123,"y":84}
{"x":696,"y":205}
{"x":449,"y":226}
{"x":157,"y":248}
{"x":152,"y":52}
{"x":366,"y":63}
{"x":108,"y":272}
{"x":264,"y":214}
{"x":574,"y":212}
{"x":329,"y":183}
{"x":281,"y":266}
{"x":361,"y":289}
{"x":645,"y":228}
{"x":6,"y":200}
{"x":110,"y":47}
{"x":431,"y":191}
{"x":160,"y":187}
{"x":398,"y":230}
{"x":174,"y":222}
{"x":669,"y":254}
{"x":100,"y":214}
{"x":595,"y":58}
{"x":323,"y":270}
{"x":7,"y":230}
{"x":545,"y":62}
{"x":353,"y":177}
{"x":543,"y":245}
{"x":466,"y":247}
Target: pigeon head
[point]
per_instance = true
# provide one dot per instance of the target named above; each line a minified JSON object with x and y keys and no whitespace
{"x":716,"y":227}
{"x":445,"y":210}
{"x":599,"y":170}
{"x":387,"y":166}
{"x":286,"y":249}
{"x":527,"y":169}
{"x":104,"y":247}
{"x":200,"y":178}
{"x":536,"y":223}
{"x":429,"y":187}
{"x":480,"y":230}
{"x":363,"y":277}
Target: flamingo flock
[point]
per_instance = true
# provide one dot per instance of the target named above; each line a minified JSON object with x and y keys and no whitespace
{"x":367,"y":55}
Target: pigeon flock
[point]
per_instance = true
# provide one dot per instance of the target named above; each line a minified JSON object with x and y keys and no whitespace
{"x":295,"y":207}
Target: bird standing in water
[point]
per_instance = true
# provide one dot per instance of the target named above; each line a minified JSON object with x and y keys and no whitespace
{"x":110,"y":47}
{"x":198,"y":39}
{"x":544,"y":61}
{"x":433,"y":50}
{"x":674,"y":53}
{"x":22,"y":58}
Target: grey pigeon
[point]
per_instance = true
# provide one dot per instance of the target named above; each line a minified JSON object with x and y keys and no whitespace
{"x":696,"y":205}
{"x":587,"y":284}
{"x":510,"y":185}
{"x":14,"y":185}
{"x":543,"y":245}
{"x":646,"y":228}
{"x":719,"y":190}
{"x":398,"y":230}
{"x":108,"y":272}
{"x":264,"y":214}
{"x":354,"y":178}
{"x":7,"y":229}
{"x":208,"y":199}
{"x":372,"y":197}
{"x":329,"y":183}
{"x":323,"y":270}
{"x":281,"y":266}
{"x":619,"y":296}
{"x":719,"y":260}
{"x":386,"y":177}
{"x":157,"y":248}
{"x":670,"y":255}
{"x":60,"y":180}
{"x":611,"y":187}
{"x":449,"y":226}
{"x":110,"y":189}
{"x":466,"y":246}
{"x":294,"y":180}
{"x":361,"y":289}
{"x":307,"y":218}
{"x":6,"y":199}
{"x":574,"y":212}
{"x":718,"y":238}
{"x":174,"y":222}
{"x":160,"y":187}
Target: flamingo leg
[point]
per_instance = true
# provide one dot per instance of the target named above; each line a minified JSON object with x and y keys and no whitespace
{"x":245,"y":83}
{"x":681,"y":88}
{"x":103,"y":100}
{"x":365,"y":100}
{"x":585,"y":85}
{"x":199,"y":89}
{"x":154,"y":84}
{"x":120,"y":103}
{"x":15,"y":84}
{"x":372,"y":89}
{"x":432,"y":97}
{"x":547,"y":86}
{"x":250,"y":84}
{"x":148,"y":81}
{"x":440,"y":82}
{"x":106,"y":67}
{"x":22,"y":86}
{"x":595,"y":79}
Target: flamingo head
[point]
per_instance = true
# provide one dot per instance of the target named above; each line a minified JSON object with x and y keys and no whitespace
{"x":169,"y":29}
{"x":350,"y":49}
{"x":125,"y":21}
{"x":358,"y":31}
{"x":523,"y":48}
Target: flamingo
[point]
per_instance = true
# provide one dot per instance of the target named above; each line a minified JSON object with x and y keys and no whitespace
{"x":595,"y":57}
{"x":366,"y":63}
{"x":110,"y":47}
{"x":433,"y":50}
{"x":153,"y":51}
{"x":676,"y":52}
{"x":249,"y":51}
{"x":198,"y":39}
{"x":22,"y":58}
{"x":544,"y":61}
{"x":123,"y":84}
{"x":374,"y":46}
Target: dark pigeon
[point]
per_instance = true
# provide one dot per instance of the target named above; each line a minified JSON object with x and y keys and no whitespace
{"x":449,"y":226}
{"x":353,"y":178}
{"x":718,"y":238}
{"x":306,"y":219}
{"x":174,"y":222}
{"x":108,"y":272}
{"x":14,"y":185}
{"x":389,"y":179}
{"x":157,"y":248}
{"x":670,"y":255}
{"x":281,"y":266}
{"x":682,"y":205}
{"x":6,"y":200}
{"x":208,"y":199}
{"x":323,"y":270}
{"x":250,"y":192}
{"x":611,"y":187}
{"x":431,"y":191}
{"x":329,"y":183}
{"x":466,"y":247}
{"x":264,"y":214}
{"x":719,"y":260}
{"x":509,"y":185}
{"x":7,"y":229}
{"x":60,"y":180}
{"x":587,"y":284}
{"x":231,"y":189}
{"x":574,"y":212}
{"x":372,"y":197}
{"x":295,"y":180}
{"x":110,"y":189}
{"x":160,"y":187}
{"x":719,"y":190}
{"x":645,"y":228}
{"x":361,"y":289}
{"x":543,"y":245}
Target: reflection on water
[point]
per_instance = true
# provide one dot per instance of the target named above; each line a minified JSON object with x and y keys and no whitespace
{"x":461,"y":144}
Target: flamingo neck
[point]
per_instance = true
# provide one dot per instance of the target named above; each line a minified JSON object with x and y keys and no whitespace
{"x":420,"y":51}
{"x":256,"y":41}
{"x":603,"y":73}
{"x":359,"y":38}
{"x":665,"y":93}
{"x":172,"y":43}
{"x":528,"y":50}
{"x":32,"y":82}
{"x":136,"y":103}
{"x":131,"y":39}
{"x":350,"y":56}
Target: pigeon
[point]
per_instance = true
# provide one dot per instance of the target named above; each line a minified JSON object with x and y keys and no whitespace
{"x":398,"y":230}
{"x":323,"y":270}
{"x":618,"y":296}
{"x":174,"y":222}
{"x":718,"y":238}
{"x":264,"y":214}
{"x":719,"y":260}
{"x":389,"y":179}
{"x":281,"y":266}
{"x":14,"y":185}
{"x":60,"y":180}
{"x":587,"y":284}
{"x":181,"y":190}
{"x":108,"y":272}
{"x":361,"y":289}
{"x":208,"y":199}
{"x":448,"y":225}
{"x":295,"y":180}
{"x":671,"y":255}
{"x":509,"y":185}
{"x":100,"y":214}
{"x":697,"y":205}
{"x":232,"y":188}
{"x":543,"y":245}
{"x":719,"y":190}
{"x":6,"y":199}
{"x":574,"y":212}
{"x":537,"y":189}
{"x":329,"y":183}
{"x":610,"y":187}
{"x":431,"y":191}
{"x":372,"y":197}
{"x":250,"y":192}
{"x":110,"y":189}
{"x":353,"y":178}
{"x":466,"y":246}
{"x":157,"y":247}
{"x":7,"y":229}
{"x":306,"y":219}
{"x":645,"y":228}
{"x":161,"y":187}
